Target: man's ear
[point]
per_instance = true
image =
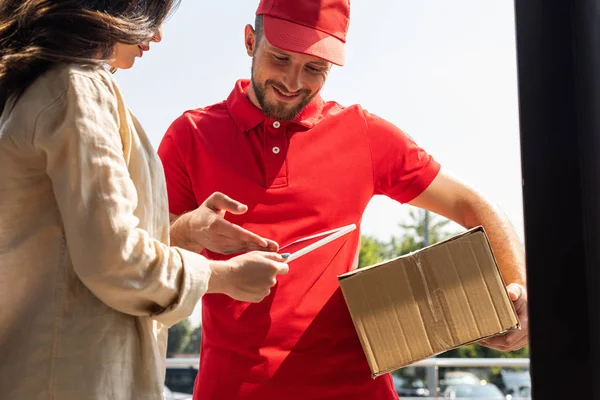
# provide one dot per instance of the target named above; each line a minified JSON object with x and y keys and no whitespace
{"x":250,"y":40}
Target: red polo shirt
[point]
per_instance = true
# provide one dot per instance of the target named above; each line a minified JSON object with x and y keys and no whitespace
{"x":298,"y":178}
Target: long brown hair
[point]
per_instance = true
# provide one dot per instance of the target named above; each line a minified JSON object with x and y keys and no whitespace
{"x":36,"y":34}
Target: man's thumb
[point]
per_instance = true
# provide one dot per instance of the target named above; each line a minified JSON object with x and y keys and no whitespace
{"x":220,"y":203}
{"x":515,"y":291}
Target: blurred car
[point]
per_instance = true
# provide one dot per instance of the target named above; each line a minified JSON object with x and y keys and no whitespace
{"x":479,"y":391}
{"x":524,"y":393}
{"x":410,"y":387}
{"x":181,"y":379}
{"x":458,"y":378}
{"x":169,"y":395}
{"x":461,"y":378}
{"x":511,"y":382}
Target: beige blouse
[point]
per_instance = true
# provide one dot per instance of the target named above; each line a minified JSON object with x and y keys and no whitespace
{"x":88,"y":282}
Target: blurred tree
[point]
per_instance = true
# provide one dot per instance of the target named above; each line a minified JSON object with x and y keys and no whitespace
{"x":476,"y":351}
{"x":193,"y":346}
{"x":413,"y":232}
{"x":411,"y":238}
{"x":372,"y":251}
{"x":179,"y":337}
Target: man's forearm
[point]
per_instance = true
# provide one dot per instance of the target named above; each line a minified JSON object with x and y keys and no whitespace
{"x":180,"y":233}
{"x":508,"y":250}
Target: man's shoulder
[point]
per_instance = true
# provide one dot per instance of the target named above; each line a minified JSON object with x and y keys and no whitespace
{"x":335,"y":109}
{"x":209,"y":113}
{"x":201,"y":118}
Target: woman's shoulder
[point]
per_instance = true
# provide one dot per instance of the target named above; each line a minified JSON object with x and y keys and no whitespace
{"x":74,"y":80}
{"x":82,"y":79}
{"x":60,"y":93}
{"x":68,"y":83}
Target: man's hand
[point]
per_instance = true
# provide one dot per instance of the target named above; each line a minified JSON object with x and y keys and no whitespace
{"x":248,"y":277}
{"x":516,"y":339}
{"x":206,"y":228}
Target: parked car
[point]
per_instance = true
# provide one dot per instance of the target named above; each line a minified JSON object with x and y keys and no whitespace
{"x":452,"y":378}
{"x":524,"y":393}
{"x":406,"y":387}
{"x":168,"y":395}
{"x":479,"y":391}
{"x":181,"y":379}
{"x":461,"y":378}
{"x":511,"y":382}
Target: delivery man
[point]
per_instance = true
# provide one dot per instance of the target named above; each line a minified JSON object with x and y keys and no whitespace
{"x":303,"y":166}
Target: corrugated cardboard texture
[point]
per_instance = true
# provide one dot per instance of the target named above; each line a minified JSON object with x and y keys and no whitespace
{"x":428,"y":302}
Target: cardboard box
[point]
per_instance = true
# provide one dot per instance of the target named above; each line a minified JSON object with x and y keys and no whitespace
{"x":422,"y":304}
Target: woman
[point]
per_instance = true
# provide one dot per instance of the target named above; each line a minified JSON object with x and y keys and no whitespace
{"x":88,"y":283}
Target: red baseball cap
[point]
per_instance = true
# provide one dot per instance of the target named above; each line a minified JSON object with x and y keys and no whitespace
{"x":314,"y":27}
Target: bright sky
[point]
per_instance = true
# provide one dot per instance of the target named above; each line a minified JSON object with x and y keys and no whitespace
{"x":443,"y":71}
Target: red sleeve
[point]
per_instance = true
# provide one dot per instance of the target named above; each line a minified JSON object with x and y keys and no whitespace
{"x":401,"y":169}
{"x":179,"y":184}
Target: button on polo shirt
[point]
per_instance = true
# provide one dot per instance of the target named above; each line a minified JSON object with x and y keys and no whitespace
{"x":275,"y":160}
{"x":298,"y":178}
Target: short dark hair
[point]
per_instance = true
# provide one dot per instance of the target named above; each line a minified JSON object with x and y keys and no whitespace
{"x":259,"y":29}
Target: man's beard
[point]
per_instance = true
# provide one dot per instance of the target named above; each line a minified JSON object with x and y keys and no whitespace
{"x":279,"y":110}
